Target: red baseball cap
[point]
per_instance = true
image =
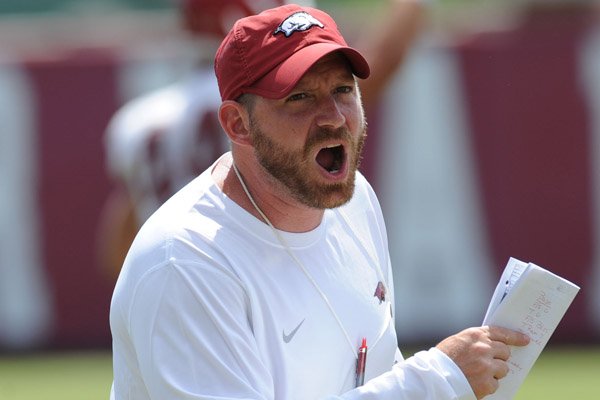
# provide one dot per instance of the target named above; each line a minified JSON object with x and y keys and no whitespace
{"x":267,"y":54}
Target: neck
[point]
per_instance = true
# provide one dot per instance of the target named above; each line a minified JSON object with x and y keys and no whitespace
{"x":255,"y":193}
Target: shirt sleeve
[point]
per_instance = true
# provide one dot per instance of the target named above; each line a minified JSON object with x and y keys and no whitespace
{"x":428,"y":375}
{"x":192,"y":336}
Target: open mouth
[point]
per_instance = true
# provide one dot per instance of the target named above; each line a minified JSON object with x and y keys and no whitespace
{"x":331,"y":158}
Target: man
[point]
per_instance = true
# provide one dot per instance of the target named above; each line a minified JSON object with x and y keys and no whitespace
{"x":157,"y":143}
{"x":261,"y":277}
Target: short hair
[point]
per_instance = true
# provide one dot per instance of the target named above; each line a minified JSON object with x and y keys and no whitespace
{"x":248,"y":100}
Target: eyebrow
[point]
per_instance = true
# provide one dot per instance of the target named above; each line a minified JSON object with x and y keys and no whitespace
{"x":342,"y":75}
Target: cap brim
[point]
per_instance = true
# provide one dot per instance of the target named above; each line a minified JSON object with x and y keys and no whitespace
{"x":278,"y":82}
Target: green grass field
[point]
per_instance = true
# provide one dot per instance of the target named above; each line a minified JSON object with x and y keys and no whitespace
{"x":560,"y":373}
{"x":54,"y":376}
{"x":564,"y":373}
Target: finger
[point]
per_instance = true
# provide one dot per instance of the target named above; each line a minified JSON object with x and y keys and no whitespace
{"x":501,"y":369}
{"x":500,"y":350}
{"x":490,"y":387}
{"x":508,"y":336}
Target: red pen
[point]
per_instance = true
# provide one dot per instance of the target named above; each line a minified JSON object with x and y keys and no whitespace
{"x":361,"y":363}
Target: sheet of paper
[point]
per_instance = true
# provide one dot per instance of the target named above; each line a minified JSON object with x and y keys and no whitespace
{"x":534,"y":304}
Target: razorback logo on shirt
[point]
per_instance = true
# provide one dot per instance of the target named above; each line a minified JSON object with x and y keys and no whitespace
{"x":380,"y":292}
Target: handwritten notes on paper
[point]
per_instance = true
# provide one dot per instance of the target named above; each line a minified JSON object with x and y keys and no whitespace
{"x":532,"y":300}
{"x":533,"y":323}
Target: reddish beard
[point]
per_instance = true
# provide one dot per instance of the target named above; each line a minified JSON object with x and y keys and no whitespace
{"x":288,"y":167}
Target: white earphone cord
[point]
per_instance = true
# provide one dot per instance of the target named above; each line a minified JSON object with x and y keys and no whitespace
{"x":289,"y":251}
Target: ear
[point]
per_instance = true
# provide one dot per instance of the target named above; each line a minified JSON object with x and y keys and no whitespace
{"x":235,"y":121}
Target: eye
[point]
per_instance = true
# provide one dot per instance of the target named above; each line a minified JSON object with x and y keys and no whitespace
{"x":297,"y":97}
{"x":344,"y":89}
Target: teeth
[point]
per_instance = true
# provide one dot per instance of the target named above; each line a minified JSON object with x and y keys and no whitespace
{"x":332,"y":146}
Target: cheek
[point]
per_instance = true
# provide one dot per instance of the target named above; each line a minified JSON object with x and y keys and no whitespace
{"x":355,"y":118}
{"x":291,"y":129}
{"x":282,"y":128}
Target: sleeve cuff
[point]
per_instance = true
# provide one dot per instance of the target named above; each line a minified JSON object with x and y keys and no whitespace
{"x":453,"y":374}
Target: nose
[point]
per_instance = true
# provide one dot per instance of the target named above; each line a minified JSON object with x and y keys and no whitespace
{"x":330,"y":114}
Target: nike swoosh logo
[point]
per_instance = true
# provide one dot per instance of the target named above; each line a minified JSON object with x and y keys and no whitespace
{"x":288,"y":338}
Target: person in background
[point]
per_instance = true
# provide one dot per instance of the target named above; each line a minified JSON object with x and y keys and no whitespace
{"x":268,"y":275}
{"x":157,"y":143}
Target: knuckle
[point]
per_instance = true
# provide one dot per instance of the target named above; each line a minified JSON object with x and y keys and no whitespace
{"x":473,"y":332}
{"x":481,"y":349}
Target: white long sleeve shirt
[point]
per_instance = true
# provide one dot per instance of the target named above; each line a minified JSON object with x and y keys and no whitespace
{"x":210,"y":305}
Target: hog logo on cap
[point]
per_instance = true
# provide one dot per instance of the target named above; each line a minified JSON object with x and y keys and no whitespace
{"x":300,"y":21}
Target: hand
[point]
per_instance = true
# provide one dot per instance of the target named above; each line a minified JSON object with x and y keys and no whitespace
{"x":481,"y":353}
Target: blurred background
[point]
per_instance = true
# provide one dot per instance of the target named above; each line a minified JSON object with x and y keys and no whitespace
{"x":485,"y":145}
